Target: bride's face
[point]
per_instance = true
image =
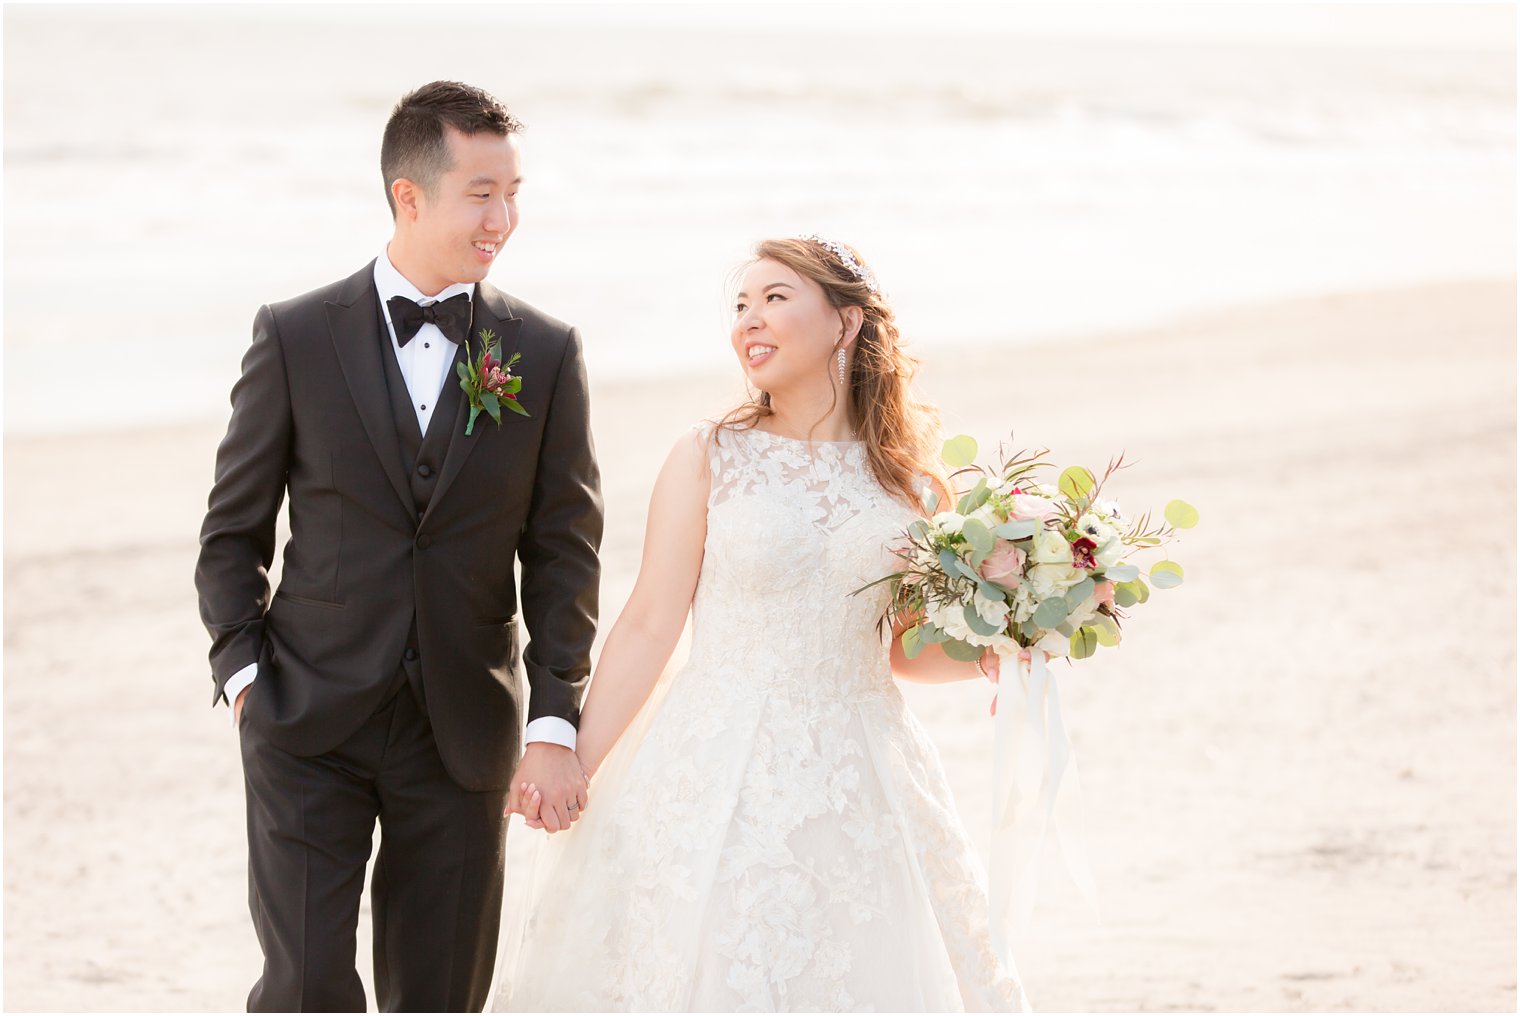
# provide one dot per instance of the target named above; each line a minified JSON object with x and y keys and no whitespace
{"x":785,"y":331}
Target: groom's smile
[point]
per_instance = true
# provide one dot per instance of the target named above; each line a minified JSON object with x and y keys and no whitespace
{"x":454,"y":230}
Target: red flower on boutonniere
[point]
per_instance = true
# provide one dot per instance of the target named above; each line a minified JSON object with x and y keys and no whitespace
{"x":489,"y":382}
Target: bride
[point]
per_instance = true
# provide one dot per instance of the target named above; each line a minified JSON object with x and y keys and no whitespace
{"x":770,"y":828}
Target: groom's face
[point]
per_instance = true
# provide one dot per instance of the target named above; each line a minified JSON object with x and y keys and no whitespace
{"x":461,"y":226}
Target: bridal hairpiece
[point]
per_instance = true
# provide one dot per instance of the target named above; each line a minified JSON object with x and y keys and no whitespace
{"x":842,"y":253}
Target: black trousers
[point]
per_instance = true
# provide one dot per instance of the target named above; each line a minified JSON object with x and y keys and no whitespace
{"x":436,"y":892}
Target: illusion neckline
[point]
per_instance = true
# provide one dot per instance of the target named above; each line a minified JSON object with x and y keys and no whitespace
{"x":846,"y":443}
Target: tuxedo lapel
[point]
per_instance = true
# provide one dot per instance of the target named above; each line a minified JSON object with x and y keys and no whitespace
{"x":358,"y":337}
{"x":491,"y":314}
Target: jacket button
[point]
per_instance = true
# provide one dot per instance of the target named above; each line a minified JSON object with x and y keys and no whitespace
{"x":424,"y":470}
{"x":411,"y":654}
{"x":424,"y":541}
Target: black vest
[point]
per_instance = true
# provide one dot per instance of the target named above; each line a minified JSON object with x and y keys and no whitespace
{"x":421,"y":460}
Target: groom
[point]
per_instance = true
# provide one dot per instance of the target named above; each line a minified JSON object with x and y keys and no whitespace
{"x":380,"y":681}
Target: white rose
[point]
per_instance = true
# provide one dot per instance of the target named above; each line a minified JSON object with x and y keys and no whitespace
{"x":1050,"y":580}
{"x":1050,"y":547}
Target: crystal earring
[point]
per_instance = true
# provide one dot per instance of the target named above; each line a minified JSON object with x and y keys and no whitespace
{"x":841,"y":367}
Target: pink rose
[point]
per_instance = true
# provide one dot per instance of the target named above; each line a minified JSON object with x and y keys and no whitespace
{"x":1030,"y":506}
{"x":1005,"y":565}
{"x":1104,"y":591}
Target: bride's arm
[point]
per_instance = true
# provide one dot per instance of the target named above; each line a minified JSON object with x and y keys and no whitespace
{"x":646,"y":631}
{"x":932,"y":666}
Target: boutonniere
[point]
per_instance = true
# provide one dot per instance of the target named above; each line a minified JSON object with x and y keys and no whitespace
{"x":489,"y":382}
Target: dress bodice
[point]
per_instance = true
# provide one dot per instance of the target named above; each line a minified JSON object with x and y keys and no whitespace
{"x":794,"y":529}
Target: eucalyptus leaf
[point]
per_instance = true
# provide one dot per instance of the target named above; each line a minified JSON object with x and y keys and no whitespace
{"x":930,"y":634}
{"x":981,"y":539}
{"x":1018,"y":529}
{"x":1050,"y":612}
{"x":962,"y":651}
{"x":1084,"y":643}
{"x":1166,"y":574}
{"x":912,"y":644}
{"x":968,"y":572}
{"x":1125,"y":594}
{"x":975,"y":623}
{"x":930,"y":500}
{"x":1076,"y":481}
{"x":1029,"y":629}
{"x":919,"y":531}
{"x":1121,"y":573}
{"x":959,"y":451}
{"x":1181,"y":514}
{"x":974,"y":498}
{"x":1079,"y":592}
{"x":1107,"y":629}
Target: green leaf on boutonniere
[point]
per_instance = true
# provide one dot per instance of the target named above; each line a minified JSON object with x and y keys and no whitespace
{"x":475,"y":373}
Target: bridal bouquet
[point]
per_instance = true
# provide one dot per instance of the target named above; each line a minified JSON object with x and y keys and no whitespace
{"x":1028,"y":569}
{"x":1018,"y":564}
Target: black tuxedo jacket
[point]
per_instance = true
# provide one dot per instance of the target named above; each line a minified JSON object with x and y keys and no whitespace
{"x":366,"y":582}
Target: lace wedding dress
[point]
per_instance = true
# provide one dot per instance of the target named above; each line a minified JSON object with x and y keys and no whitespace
{"x":774,"y":832}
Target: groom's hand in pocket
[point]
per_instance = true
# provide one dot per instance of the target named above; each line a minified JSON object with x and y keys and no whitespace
{"x":555,"y":774}
{"x":237,"y":707}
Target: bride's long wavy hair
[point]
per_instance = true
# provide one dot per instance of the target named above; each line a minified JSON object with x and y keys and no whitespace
{"x":900,"y":432}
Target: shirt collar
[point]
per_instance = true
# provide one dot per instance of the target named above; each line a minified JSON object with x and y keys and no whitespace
{"x":390,"y":282}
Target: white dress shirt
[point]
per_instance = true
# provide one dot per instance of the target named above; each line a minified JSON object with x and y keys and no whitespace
{"x":426,"y":362}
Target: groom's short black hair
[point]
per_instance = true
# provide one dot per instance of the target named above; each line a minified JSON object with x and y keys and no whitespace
{"x":415,"y":145}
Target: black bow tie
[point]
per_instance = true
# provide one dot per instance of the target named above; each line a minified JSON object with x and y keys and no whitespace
{"x":452,"y":316}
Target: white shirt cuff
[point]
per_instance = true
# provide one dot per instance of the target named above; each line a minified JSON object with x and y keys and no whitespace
{"x":551,"y":729}
{"x":235,"y":684}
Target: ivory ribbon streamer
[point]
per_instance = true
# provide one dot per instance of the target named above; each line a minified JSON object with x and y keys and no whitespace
{"x":1037,"y":790}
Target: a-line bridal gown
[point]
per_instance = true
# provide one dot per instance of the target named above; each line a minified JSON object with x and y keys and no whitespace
{"x":774,"y":831}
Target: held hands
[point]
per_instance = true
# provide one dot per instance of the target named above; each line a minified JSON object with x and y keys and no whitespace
{"x":549,"y":787}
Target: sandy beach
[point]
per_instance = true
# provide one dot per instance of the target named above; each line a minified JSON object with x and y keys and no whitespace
{"x":1299,"y":769}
